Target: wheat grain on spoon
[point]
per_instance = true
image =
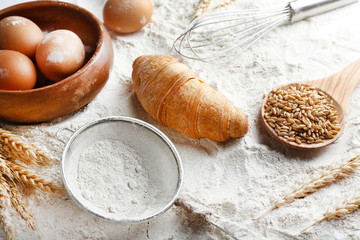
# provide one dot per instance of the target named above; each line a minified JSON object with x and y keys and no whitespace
{"x":338,"y":88}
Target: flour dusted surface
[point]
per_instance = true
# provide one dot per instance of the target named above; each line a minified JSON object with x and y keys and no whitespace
{"x":235,"y":180}
{"x":112,"y":177}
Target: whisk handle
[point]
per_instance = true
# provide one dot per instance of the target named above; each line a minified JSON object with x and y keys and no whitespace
{"x":306,"y":8}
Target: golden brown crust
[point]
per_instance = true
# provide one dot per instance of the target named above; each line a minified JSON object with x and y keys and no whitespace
{"x":176,"y":97}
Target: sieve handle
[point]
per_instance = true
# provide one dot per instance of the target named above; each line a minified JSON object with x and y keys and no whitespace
{"x":60,"y":131}
{"x":301,"y":9}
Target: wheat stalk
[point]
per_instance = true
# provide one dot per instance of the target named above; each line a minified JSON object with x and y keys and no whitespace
{"x":202,"y":8}
{"x":16,"y":148}
{"x":224,"y":3}
{"x":321,"y":179}
{"x":32,"y":180}
{"x":4,"y":168}
{"x":340,"y":209}
{"x":5,"y":204}
{"x":19,"y":205}
{"x":13,"y":150}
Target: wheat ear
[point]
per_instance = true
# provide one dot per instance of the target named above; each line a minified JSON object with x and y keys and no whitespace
{"x":17,"y":148}
{"x":32,"y":180}
{"x":19,"y":205}
{"x":224,"y":3}
{"x":321,"y":179}
{"x":16,"y":197}
{"x":4,"y":168}
{"x":5,"y":204}
{"x":202,"y":8}
{"x":341,"y":209}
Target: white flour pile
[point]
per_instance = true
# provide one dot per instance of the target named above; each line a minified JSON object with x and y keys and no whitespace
{"x":235,"y":180}
{"x":112,"y":176}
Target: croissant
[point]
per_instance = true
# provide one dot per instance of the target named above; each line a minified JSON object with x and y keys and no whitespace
{"x":176,"y":97}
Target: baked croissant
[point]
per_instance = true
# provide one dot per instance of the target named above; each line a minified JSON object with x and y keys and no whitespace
{"x":175,"y":96}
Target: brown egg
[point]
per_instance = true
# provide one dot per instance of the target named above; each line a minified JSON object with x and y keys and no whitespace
{"x":17,"y":71}
{"x":20,"y":34}
{"x":125,"y":16}
{"x":60,"y":54}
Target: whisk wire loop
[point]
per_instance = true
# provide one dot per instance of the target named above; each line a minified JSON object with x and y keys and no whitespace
{"x":207,"y":37}
{"x":221,"y":36}
{"x":244,"y":43}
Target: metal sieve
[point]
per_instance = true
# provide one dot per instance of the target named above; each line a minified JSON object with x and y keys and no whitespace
{"x":158,"y":152}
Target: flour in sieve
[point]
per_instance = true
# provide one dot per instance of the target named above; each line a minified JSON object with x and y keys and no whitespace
{"x":112,"y":176}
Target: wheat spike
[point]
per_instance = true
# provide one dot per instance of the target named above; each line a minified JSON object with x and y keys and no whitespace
{"x":17,"y":148}
{"x":14,"y":193}
{"x":321,"y":179}
{"x":19,"y":205}
{"x":32,"y":180}
{"x":4,"y":168}
{"x":202,"y":8}
{"x":5,"y":204}
{"x":224,"y":3}
{"x":340,"y":209}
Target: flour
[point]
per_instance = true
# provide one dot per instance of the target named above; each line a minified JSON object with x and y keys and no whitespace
{"x":235,"y":180}
{"x":4,"y":73}
{"x":112,"y":176}
{"x":14,"y":21}
{"x":56,"y":57}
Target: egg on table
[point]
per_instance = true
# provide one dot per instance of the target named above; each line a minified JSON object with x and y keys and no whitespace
{"x":20,"y":34}
{"x":126,"y":16}
{"x":60,"y":54}
{"x":17,"y":71}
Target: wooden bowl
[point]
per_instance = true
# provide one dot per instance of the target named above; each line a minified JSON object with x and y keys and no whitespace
{"x":50,"y":100}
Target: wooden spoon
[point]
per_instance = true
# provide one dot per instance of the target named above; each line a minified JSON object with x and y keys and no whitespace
{"x":338,"y":87}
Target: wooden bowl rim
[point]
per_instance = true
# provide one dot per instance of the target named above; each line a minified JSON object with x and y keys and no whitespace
{"x":100,"y":29}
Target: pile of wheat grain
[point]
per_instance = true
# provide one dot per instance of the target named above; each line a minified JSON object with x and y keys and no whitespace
{"x":301,"y":114}
{"x":16,"y":155}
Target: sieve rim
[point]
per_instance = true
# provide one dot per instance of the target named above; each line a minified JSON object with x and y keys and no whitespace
{"x":140,"y":123}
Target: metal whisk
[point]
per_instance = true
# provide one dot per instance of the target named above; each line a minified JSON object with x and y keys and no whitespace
{"x":220,"y":37}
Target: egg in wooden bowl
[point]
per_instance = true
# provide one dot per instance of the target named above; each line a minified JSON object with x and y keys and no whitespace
{"x":51,"y":99}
